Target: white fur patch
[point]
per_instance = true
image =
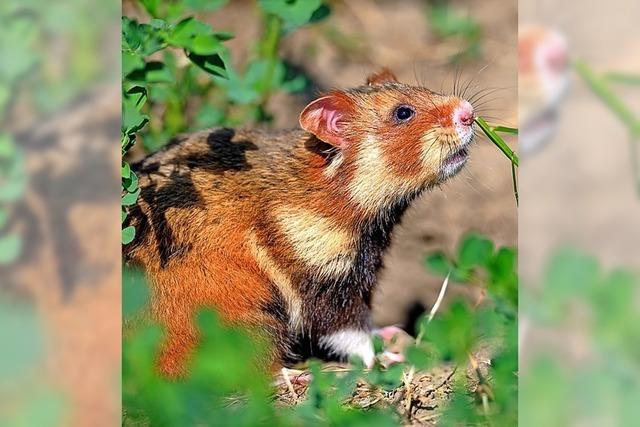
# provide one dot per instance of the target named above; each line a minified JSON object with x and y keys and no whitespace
{"x":350,"y":342}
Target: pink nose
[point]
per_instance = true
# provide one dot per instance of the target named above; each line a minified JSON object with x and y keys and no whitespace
{"x":556,"y":54}
{"x":464,"y":114}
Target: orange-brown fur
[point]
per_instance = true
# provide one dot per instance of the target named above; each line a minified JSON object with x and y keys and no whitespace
{"x":261,"y":225}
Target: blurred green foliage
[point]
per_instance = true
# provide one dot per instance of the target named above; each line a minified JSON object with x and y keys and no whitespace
{"x":227,"y":387}
{"x":447,"y":23}
{"x":12,"y":184}
{"x":49,"y":59}
{"x":35,"y":83}
{"x":590,"y":372}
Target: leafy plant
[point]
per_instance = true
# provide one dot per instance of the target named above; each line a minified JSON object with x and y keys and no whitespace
{"x":199,"y":43}
{"x":454,"y":335}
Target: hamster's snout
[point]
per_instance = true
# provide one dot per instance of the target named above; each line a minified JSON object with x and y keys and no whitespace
{"x":554,"y":53}
{"x":463,"y":114}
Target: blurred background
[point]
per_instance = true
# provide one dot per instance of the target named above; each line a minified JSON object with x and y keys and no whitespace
{"x":579,"y":265}
{"x":59,"y":201}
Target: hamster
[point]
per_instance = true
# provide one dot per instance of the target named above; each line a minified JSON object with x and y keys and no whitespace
{"x":543,"y":81}
{"x":283,"y":232}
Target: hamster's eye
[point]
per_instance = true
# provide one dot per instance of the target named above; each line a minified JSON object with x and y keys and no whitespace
{"x":403,"y":113}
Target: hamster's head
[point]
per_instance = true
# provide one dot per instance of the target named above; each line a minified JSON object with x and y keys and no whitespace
{"x":391,"y":139}
{"x":543,"y":81}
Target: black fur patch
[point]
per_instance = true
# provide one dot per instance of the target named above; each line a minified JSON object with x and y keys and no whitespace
{"x":177,"y":190}
{"x":178,"y":193}
{"x":277,"y":306}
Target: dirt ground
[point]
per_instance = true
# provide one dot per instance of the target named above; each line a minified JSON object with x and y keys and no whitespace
{"x":396,"y":34}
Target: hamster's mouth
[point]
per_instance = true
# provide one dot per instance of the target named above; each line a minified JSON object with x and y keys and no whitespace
{"x":454,"y":162}
{"x":458,"y":157}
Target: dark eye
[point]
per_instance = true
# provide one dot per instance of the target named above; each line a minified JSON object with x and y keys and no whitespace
{"x":403,"y":113}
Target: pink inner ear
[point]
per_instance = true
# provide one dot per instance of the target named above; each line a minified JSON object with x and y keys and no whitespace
{"x":332,"y":118}
{"x":324,"y":119}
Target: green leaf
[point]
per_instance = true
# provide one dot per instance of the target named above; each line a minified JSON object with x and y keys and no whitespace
{"x":504,"y":264}
{"x":130,"y":198}
{"x":142,"y":39}
{"x":152,"y":7}
{"x":439,"y":264}
{"x":19,"y":46}
{"x":128,"y":234}
{"x":475,"y":251}
{"x":7,"y":146}
{"x":135,"y":291}
{"x":152,"y":72}
{"x":131,"y":182}
{"x":570,"y":273}
{"x":13,"y":178}
{"x":209,"y":116}
{"x":195,"y":37}
{"x":138,"y":94}
{"x":419,"y":357}
{"x":132,"y":119}
{"x":452,"y":333}
{"x":600,"y":87}
{"x":131,"y":62}
{"x":212,"y":64}
{"x":125,"y":170}
{"x":260,"y":77}
{"x":10,"y":248}
{"x":505,"y":129}
{"x":293,"y":12}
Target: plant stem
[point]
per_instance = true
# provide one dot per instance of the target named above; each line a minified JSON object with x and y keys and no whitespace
{"x":515,"y":183}
{"x":499,"y":142}
{"x":600,"y":87}
{"x":268,"y":51}
{"x":623,"y":78}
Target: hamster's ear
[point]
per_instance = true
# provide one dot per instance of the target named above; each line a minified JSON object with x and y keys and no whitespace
{"x":326,"y":117}
{"x":383,"y":76}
